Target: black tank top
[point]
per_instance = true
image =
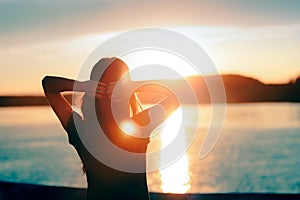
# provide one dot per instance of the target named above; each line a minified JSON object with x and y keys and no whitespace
{"x":103,"y":181}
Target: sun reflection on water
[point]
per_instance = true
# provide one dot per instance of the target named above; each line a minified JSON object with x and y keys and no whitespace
{"x":175,"y":178}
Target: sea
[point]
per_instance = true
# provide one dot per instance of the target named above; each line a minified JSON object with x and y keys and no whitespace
{"x":257,"y":150}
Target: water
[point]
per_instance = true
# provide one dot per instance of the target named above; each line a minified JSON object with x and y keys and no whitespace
{"x":258,"y":151}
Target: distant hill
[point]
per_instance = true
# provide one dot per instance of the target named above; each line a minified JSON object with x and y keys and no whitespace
{"x":239,"y":89}
{"x":245,"y":89}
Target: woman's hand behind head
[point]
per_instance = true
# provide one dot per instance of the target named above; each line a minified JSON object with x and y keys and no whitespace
{"x":95,"y":89}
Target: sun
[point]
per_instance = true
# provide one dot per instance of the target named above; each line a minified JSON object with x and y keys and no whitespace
{"x":148,"y":57}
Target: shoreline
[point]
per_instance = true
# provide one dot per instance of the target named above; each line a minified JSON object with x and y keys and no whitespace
{"x":237,"y":88}
{"x":18,"y":191}
{"x":33,"y":101}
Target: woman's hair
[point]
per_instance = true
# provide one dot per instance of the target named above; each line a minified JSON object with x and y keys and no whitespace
{"x":115,"y":67}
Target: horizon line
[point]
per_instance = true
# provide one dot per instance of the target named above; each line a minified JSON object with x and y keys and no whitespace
{"x":289,"y":81}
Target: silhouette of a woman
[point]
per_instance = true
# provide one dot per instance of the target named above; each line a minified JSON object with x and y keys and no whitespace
{"x":103,"y":181}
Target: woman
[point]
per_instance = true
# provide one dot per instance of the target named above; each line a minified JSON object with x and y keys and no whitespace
{"x":105,"y":182}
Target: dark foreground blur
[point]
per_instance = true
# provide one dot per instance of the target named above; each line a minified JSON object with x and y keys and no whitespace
{"x":17,"y":191}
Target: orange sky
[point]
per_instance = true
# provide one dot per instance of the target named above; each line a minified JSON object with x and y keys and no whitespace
{"x":254,"y":38}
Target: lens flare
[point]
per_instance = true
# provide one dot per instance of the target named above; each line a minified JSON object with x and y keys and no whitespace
{"x":128,"y":127}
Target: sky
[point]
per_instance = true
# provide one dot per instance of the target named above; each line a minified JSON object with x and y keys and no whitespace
{"x":257,"y":38}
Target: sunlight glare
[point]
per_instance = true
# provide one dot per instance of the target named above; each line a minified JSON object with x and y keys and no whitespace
{"x":175,"y":178}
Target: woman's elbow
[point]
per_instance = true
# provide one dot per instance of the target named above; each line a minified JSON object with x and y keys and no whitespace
{"x":46,"y":82}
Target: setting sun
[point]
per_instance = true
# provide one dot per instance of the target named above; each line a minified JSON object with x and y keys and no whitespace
{"x":148,"y":57}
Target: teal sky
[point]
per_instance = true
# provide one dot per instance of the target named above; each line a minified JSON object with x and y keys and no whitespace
{"x":256,"y":38}
{"x":26,"y":15}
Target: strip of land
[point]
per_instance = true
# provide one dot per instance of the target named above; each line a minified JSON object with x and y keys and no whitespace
{"x":238,"y":89}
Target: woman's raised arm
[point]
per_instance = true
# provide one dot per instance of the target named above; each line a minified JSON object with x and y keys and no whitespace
{"x":54,"y":86}
{"x":168,"y":105}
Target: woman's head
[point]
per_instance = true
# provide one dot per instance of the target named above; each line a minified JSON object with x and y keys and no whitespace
{"x":115,"y":69}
